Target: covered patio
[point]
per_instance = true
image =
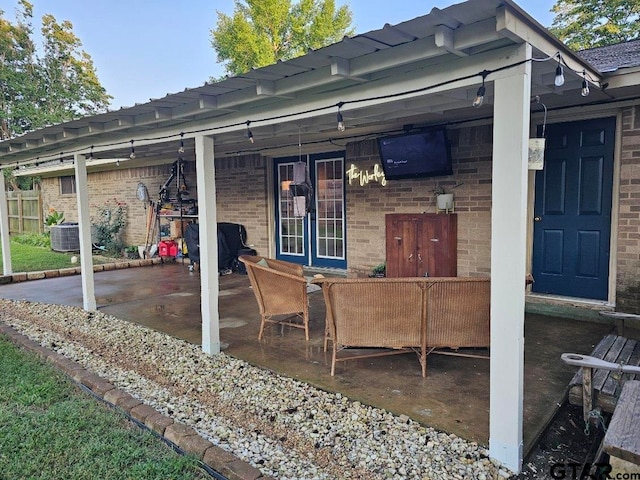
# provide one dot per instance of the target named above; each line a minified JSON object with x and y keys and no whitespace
{"x":454,"y":397}
{"x":426,"y":71}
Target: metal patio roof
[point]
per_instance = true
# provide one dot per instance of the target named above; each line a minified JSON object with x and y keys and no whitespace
{"x":357,"y":70}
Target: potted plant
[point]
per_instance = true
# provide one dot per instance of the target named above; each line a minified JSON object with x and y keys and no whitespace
{"x":131,"y":252}
{"x":444,"y":200}
{"x":379,"y":270}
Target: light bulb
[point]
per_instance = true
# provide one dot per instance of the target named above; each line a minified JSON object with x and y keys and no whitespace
{"x":479,"y":100}
{"x":181,"y":149}
{"x":117,"y":162}
{"x":133,"y":155}
{"x":250,"y":135}
{"x":341,"y":127}
{"x":585,"y":88}
{"x":559,"y":80}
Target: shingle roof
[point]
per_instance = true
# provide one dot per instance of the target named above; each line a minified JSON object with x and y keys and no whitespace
{"x":613,"y":57}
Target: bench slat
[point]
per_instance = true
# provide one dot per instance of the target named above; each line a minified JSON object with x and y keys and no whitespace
{"x":622,"y":439}
{"x":600,"y":376}
{"x":612,"y":384}
{"x":600,"y":351}
{"x":607,"y":398}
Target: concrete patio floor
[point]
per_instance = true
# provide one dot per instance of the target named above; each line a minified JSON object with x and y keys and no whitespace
{"x":454,"y":396}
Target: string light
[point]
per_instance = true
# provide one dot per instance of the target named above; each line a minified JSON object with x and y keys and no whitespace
{"x":341,"y":127}
{"x":132,"y":155}
{"x":585,"y":85}
{"x":181,"y":149}
{"x":249,"y":134}
{"x":559,"y":80}
{"x":479,"y":100}
{"x":117,"y":162}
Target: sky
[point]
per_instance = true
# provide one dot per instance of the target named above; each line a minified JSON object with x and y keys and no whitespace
{"x":146,"y":49}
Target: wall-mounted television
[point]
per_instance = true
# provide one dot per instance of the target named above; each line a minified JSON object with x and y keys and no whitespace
{"x":418,"y":154}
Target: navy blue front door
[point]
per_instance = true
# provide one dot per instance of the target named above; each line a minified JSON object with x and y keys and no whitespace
{"x":572,"y":219}
{"x":316,"y":238}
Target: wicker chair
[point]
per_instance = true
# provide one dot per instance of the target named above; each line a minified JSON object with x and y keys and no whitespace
{"x":399,"y":315}
{"x":281,"y":291}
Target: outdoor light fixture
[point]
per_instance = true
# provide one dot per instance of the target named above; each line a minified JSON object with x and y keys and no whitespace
{"x":249,"y":134}
{"x":132,"y":155}
{"x":559,"y":80}
{"x":478,"y":101}
{"x":181,"y":149}
{"x":339,"y":118}
{"x":585,"y":85}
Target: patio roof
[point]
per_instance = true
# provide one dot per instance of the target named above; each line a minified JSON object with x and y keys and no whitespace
{"x":420,"y":72}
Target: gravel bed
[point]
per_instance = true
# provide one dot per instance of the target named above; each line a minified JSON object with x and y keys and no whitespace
{"x":285,"y":428}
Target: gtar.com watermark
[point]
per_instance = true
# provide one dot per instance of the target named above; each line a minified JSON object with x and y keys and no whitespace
{"x":594,"y":471}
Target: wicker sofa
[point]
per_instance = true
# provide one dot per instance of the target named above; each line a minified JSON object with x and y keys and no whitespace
{"x":281,"y":291}
{"x":396,"y":315}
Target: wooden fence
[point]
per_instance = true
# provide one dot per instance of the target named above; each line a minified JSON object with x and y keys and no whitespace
{"x":25,"y":211}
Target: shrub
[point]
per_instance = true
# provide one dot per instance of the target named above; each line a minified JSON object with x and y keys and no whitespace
{"x":110,"y":222}
{"x":33,"y":239}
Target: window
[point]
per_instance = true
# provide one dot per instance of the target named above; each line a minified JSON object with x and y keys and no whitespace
{"x":68,"y":185}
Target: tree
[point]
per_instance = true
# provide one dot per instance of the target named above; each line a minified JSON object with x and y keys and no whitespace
{"x":36,"y":91}
{"x":583,"y":24}
{"x":261,"y":32}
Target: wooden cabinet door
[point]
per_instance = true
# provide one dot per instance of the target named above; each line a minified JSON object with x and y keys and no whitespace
{"x":437,"y":246}
{"x":419,"y":244}
{"x":401,"y":247}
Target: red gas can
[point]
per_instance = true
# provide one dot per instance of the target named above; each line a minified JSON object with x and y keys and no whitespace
{"x":167,"y":248}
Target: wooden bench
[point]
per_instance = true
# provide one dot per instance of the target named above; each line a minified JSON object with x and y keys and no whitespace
{"x":620,"y":319}
{"x":601,"y":385}
{"x":622,"y":440}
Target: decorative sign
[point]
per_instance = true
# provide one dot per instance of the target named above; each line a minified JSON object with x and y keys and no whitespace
{"x":364,"y":177}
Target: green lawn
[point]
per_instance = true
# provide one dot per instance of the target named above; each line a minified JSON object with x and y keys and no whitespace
{"x":32,"y":257}
{"x":49,"y":429}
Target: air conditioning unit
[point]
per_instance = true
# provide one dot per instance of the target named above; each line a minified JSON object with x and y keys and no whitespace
{"x":65,"y":237}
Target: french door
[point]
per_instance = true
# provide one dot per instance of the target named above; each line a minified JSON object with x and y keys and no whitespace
{"x":311,"y":231}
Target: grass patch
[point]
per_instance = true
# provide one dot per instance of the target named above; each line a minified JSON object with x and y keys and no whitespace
{"x":30,"y":253}
{"x":50,"y":429}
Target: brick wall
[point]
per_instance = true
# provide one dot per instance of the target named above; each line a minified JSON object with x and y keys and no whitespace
{"x":241,"y":188}
{"x":628,"y":255}
{"x":119,"y":185}
{"x":368,"y":203}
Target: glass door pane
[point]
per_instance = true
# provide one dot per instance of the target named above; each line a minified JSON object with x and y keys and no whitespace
{"x":291,"y":229}
{"x":329,"y":223}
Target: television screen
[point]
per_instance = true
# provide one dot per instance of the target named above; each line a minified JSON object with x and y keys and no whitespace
{"x":421,"y":154}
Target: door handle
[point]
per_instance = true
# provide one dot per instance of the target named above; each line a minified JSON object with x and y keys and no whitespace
{"x":537,"y":218}
{"x":420,"y":258}
{"x":411,"y":257}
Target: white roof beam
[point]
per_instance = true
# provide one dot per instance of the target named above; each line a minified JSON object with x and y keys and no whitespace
{"x":68,"y":133}
{"x":96,"y":127}
{"x":341,"y":67}
{"x":445,"y":38}
{"x":443,"y":18}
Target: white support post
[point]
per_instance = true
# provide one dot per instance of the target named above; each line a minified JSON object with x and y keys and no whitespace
{"x":84,"y":227}
{"x":7,"y":268}
{"x":208,"y":230}
{"x":508,"y":259}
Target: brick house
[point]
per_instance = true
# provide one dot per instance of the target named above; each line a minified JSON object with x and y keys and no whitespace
{"x":575,"y":224}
